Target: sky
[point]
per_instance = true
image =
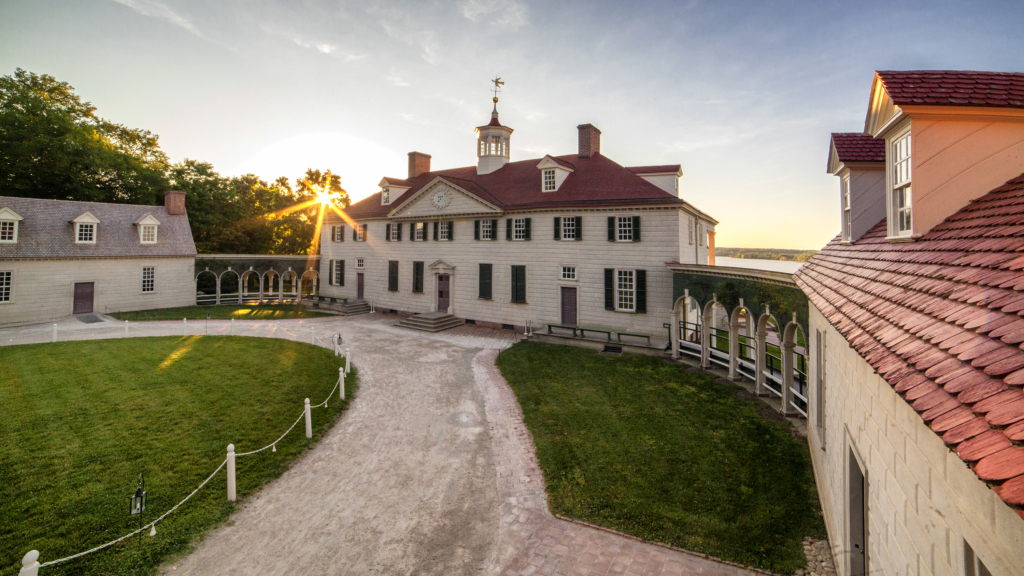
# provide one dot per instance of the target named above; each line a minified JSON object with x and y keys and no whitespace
{"x":742,"y":94}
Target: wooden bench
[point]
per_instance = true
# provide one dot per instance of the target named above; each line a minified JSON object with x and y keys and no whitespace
{"x":564,"y":326}
{"x":619,"y":334}
{"x":584,"y":329}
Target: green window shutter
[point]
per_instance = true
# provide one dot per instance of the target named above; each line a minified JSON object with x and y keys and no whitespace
{"x":494,"y":229}
{"x":387,"y":232}
{"x":330,"y":272}
{"x":399,"y":231}
{"x":435,"y":230}
{"x":366,"y":231}
{"x":393,"y":275}
{"x":636,"y":228}
{"x":508,"y":228}
{"x":609,"y":288}
{"x":485,"y":281}
{"x":579,"y":227}
{"x":417,"y":277}
{"x":341,"y":265}
{"x":341,"y":237}
{"x":611,"y":228}
{"x":558,"y":228}
{"x":451,"y":230}
{"x":519,"y":284}
{"x":641,"y":290}
{"x":476,"y":229}
{"x":355,"y":233}
{"x":527,"y":228}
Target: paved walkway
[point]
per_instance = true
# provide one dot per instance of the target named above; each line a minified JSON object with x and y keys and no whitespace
{"x":430,"y":471}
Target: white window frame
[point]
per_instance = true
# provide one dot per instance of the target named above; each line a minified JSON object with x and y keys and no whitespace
{"x":385,"y":196}
{"x":623,"y":228}
{"x":142,"y":233}
{"x":847,"y":210}
{"x":569,"y":273}
{"x":419,"y":232}
{"x":394,"y":232}
{"x":568,"y":228}
{"x":6,"y":286}
{"x":519,"y":228}
{"x":899,"y":160}
{"x":338,"y":234}
{"x":78,"y":233}
{"x":486,"y":230}
{"x":151,"y":270}
{"x":360,"y":232}
{"x":360,"y":264}
{"x":336,"y":273}
{"x":549,"y":180}
{"x":625,"y":295}
{"x":689,"y":229}
{"x":700,"y":237}
{"x":14,"y":231}
{"x":444,"y":230}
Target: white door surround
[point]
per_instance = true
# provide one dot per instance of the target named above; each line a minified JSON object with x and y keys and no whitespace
{"x":438,"y":268}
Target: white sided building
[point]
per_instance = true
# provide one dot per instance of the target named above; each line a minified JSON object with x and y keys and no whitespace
{"x":574,"y":239}
{"x":59,"y":257}
{"x":916,"y":408}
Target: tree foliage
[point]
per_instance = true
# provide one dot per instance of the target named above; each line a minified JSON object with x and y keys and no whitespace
{"x":53,"y":145}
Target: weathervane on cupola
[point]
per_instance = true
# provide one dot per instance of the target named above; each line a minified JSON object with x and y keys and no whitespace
{"x":492,"y":144}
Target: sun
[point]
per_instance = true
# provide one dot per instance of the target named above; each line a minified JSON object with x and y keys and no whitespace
{"x":326,"y":197}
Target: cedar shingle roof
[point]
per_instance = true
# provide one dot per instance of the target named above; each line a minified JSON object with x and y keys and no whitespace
{"x":47,"y":231}
{"x":942,"y":320}
{"x":954,"y":88}
{"x":595,"y":181}
{"x":857,"y":147}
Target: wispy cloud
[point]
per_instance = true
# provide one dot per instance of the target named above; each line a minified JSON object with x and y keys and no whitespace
{"x":500,"y":13}
{"x":395,"y":79}
{"x":321,"y":47}
{"x":426,"y":40}
{"x":160,"y":10}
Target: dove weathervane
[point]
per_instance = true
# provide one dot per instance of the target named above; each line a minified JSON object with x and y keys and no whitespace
{"x":497,"y":87}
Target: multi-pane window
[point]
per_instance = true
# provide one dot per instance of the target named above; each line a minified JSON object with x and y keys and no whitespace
{"x":445,"y":231}
{"x":419,"y":235}
{"x":5,"y":286}
{"x":625,"y":292}
{"x":394,"y":233}
{"x":385,"y":196}
{"x":148,"y":279}
{"x":847,"y":212}
{"x":689,"y":228}
{"x":901,"y":185}
{"x":86,"y":232}
{"x":339,"y":272}
{"x":338,"y":233}
{"x":568,"y":272}
{"x":549,"y":180}
{"x":568,"y":228}
{"x":360,"y":232}
{"x":7,"y":231}
{"x":148,"y":233}
{"x":624,"y":228}
{"x":519,"y":229}
{"x":487,"y":230}
{"x":359,"y":263}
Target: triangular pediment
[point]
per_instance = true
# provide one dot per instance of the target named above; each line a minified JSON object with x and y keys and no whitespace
{"x":548,"y":162}
{"x":834,"y":164}
{"x":443,"y":198}
{"x":882,"y":111}
{"x":441,"y":264}
{"x":86,"y":218}
{"x":147,"y":220}
{"x":8,"y":214}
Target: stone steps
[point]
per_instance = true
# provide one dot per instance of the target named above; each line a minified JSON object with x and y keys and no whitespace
{"x":353,"y":308}
{"x":431,"y":322}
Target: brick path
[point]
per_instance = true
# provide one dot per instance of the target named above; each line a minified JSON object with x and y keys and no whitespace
{"x":405,"y":483}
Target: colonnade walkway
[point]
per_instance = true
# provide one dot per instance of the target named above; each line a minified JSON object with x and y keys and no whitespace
{"x":430,"y":471}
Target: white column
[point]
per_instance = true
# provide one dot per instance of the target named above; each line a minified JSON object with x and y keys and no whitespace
{"x":787,"y":377}
{"x":341,"y":375}
{"x":309,"y":421}
{"x":231,"y":472}
{"x":762,"y":351}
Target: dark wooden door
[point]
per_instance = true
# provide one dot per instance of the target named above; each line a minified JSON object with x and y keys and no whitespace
{"x":858,"y":519}
{"x":444,"y":295}
{"x":83,"y":297}
{"x":359,"y":286}
{"x":568,"y":305}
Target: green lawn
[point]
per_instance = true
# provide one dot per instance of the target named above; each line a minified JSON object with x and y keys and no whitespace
{"x":252,"y":312}
{"x":81,"y":420}
{"x":642,"y":446}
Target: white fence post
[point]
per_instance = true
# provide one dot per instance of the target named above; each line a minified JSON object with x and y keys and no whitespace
{"x":232,"y":326}
{"x":312,"y":336}
{"x":54,"y":332}
{"x":348,"y":354}
{"x":30,"y":564}
{"x":184,"y":326}
{"x":125,"y":328}
{"x":341,"y":375}
{"x":309,"y":421}
{"x":231,"y":472}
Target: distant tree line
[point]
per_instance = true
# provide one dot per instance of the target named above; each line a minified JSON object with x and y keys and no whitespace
{"x":53,"y":145}
{"x":766,"y":254}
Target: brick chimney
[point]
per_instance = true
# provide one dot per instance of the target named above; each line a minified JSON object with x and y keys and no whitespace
{"x":419,"y":163}
{"x":590,"y":140}
{"x":174,"y":200}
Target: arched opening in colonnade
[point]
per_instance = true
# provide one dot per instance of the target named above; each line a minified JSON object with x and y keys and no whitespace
{"x":229,"y":287}
{"x":206,"y":288}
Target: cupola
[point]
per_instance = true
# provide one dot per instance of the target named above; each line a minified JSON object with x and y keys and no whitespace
{"x":492,"y":143}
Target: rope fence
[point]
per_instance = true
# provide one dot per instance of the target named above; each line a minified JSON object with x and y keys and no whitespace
{"x":36,"y":335}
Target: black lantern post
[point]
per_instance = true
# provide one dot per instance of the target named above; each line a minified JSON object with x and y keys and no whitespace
{"x":137,"y":502}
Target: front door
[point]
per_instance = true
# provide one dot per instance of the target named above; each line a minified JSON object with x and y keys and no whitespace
{"x":83,"y":297}
{"x":359,"y":286}
{"x":858,"y":520}
{"x":568,"y":305}
{"x":444,"y":295}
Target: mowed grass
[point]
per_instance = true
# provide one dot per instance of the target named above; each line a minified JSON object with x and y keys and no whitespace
{"x":642,"y":446}
{"x":224,"y":312}
{"x":82,"y":420}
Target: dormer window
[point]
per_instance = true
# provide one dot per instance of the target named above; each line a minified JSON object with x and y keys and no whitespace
{"x":901,"y":223}
{"x":549,"y":180}
{"x":385,"y":196}
{"x":847,"y":211}
{"x":85,"y":233}
{"x":552,"y":174}
{"x":9,"y":226}
{"x":147,"y":228}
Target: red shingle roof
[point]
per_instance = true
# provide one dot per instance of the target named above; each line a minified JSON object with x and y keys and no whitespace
{"x":954,"y":88}
{"x":595,"y":181}
{"x":673,"y":168}
{"x":856,"y":147}
{"x":942,"y":320}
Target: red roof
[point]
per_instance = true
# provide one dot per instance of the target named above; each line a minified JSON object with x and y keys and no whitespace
{"x":398,"y":181}
{"x":954,"y":88}
{"x":942,"y":320}
{"x":673,"y":168}
{"x":856,"y":147}
{"x":595,"y":181}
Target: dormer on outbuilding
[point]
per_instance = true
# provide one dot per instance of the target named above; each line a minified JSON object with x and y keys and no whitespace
{"x":147,"y":226}
{"x":949,"y":136}
{"x":86,"y":228}
{"x":552,"y":174}
{"x":9,"y":222}
{"x":859,"y":162}
{"x":391,"y":189}
{"x":664,"y":177}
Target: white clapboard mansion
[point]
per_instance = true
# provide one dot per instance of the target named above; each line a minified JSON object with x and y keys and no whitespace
{"x":916,"y":420}
{"x":62,"y":257}
{"x":574,"y":239}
